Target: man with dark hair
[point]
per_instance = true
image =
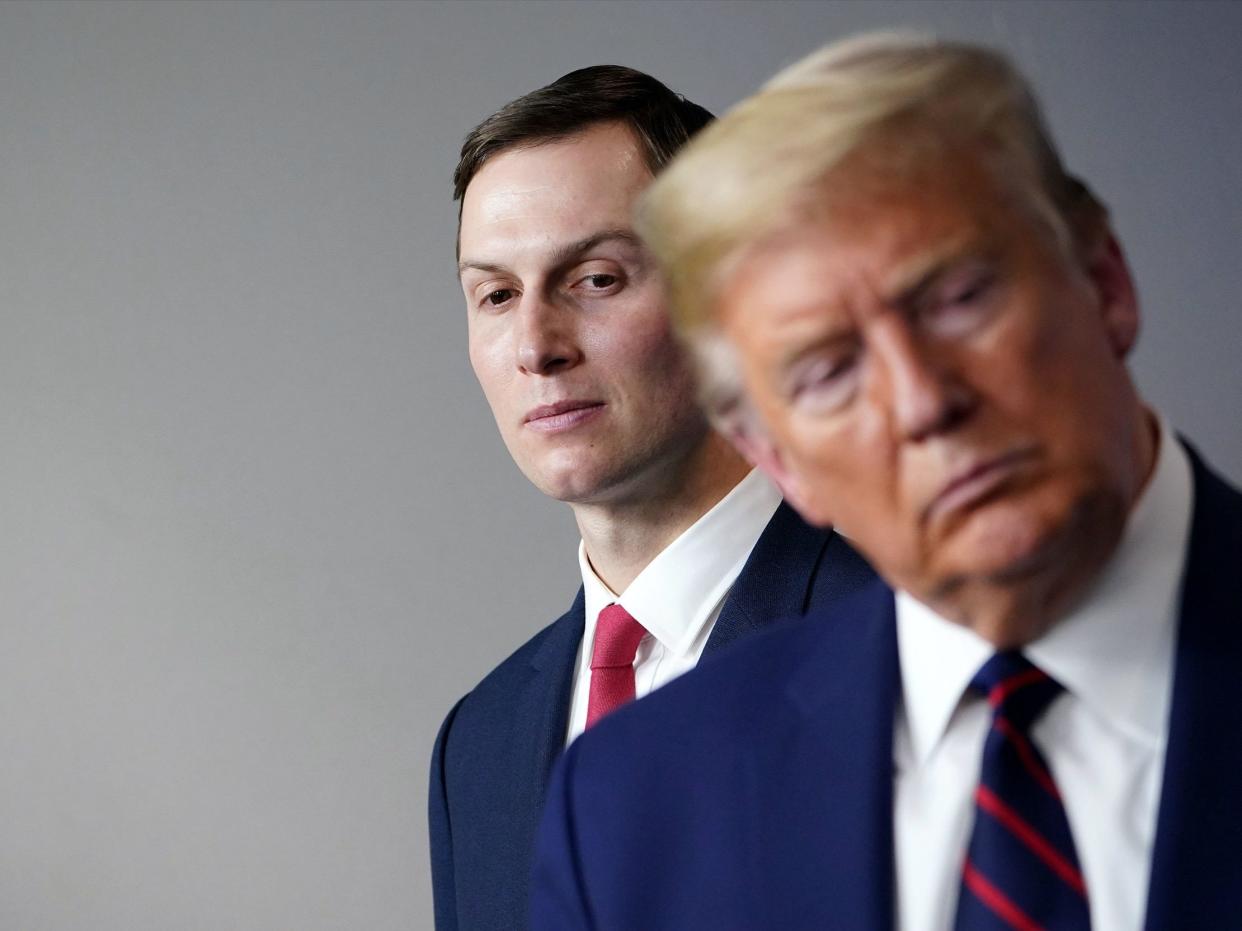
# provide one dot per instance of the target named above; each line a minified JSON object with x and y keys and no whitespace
{"x":660,"y":120}
{"x":684,"y":548}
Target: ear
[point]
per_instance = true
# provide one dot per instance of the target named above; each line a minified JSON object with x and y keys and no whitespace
{"x":743,"y":430}
{"x":1110,"y":274}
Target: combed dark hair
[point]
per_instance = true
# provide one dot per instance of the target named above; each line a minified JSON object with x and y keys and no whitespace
{"x":661,"y":120}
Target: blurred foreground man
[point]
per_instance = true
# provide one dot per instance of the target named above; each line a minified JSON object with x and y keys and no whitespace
{"x":684,"y":547}
{"x":917,"y":321}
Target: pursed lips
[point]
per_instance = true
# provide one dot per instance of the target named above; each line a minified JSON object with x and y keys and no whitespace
{"x":976,"y":481}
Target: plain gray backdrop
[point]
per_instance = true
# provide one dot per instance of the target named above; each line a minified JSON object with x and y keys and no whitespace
{"x":257,"y":530}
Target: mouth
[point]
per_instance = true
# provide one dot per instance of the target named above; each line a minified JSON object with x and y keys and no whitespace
{"x":976,"y":482}
{"x":562,"y":416}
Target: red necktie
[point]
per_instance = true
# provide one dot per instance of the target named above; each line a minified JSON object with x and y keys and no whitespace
{"x":612,"y":662}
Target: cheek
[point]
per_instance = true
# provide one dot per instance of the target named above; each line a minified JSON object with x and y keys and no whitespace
{"x":650,"y":329}
{"x":837,"y":472}
{"x":1017,"y":369}
{"x":646,"y":350}
{"x":1052,"y":371}
{"x":488,"y":360}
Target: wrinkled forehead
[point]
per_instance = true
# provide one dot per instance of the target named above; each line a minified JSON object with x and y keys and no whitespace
{"x":890,"y":209}
{"x":864,"y":211}
{"x":892,"y":171}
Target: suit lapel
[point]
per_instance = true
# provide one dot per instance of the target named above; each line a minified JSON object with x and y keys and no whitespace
{"x":775,"y":581}
{"x":827,"y":774}
{"x":543,"y":704}
{"x":502,"y":763}
{"x":1197,"y":859}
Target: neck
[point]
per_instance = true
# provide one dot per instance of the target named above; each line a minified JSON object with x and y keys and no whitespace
{"x":621,"y":537}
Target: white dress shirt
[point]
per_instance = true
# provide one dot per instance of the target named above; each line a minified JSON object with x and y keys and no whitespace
{"x":678,"y":596}
{"x":1104,"y":737}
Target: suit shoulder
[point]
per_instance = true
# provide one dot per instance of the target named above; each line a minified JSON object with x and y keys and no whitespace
{"x":1214,"y":485}
{"x":555,"y":647}
{"x":1217,"y":511}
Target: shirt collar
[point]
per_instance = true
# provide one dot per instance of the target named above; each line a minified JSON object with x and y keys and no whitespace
{"x":1114,"y":650}
{"x":677,"y":593}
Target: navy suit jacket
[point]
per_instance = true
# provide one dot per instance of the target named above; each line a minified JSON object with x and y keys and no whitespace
{"x":757,"y":792}
{"x":494,"y":754}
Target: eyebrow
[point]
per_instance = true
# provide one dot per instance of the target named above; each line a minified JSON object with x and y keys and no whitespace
{"x":925,"y":271}
{"x":790,"y":360}
{"x":562,"y":255}
{"x":914,"y":279}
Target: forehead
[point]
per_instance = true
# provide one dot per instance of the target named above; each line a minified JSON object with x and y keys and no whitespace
{"x":869,"y":231}
{"x":529,"y":200}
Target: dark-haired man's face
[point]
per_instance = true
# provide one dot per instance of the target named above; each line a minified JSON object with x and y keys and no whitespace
{"x":569,"y":336}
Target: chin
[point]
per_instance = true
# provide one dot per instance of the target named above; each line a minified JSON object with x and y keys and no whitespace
{"x":1012,"y":629}
{"x":580,"y":483}
{"x":564,"y":474}
{"x":1013,"y":572}
{"x":568,"y":490}
{"x":985,"y":550}
{"x":1023,"y":534}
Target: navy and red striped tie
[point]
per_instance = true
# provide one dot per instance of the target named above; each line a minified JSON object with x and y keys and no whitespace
{"x":1021,"y":870}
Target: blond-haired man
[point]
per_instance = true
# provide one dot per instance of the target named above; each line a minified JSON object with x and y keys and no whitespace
{"x":916,"y":321}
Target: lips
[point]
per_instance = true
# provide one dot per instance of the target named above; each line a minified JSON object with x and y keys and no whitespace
{"x":561,"y":416}
{"x":975,"y":482}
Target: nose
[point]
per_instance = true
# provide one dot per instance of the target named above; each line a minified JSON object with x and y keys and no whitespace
{"x":546,"y":337}
{"x":926,"y":395}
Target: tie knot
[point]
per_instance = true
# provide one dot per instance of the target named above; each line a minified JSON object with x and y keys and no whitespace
{"x":617,"y":635}
{"x":1016,"y":687}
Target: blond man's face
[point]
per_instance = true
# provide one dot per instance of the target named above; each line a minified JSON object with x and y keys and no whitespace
{"x":942,"y":380}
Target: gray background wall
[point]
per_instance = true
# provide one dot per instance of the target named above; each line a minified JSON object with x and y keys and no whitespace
{"x":257,"y":532}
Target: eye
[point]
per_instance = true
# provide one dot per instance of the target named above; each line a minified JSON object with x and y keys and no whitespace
{"x":498,"y":297}
{"x":970,"y":291}
{"x":962,"y":304}
{"x":598,"y":283}
{"x":826,"y":382}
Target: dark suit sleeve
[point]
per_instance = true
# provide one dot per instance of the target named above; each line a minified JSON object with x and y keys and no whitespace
{"x":558,"y":896}
{"x":443,"y":877}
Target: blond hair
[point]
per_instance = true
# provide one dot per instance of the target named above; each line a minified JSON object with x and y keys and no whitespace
{"x":740,"y":180}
